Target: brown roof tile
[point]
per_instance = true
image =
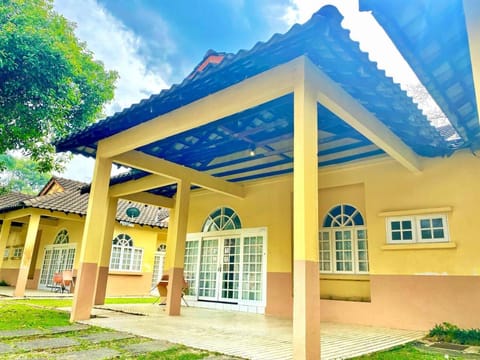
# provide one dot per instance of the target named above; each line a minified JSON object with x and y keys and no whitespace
{"x":72,"y":201}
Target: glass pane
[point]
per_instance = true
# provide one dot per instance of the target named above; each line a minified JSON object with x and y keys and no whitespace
{"x":438,"y":222}
{"x":426,"y":234}
{"x":338,"y":235}
{"x":438,"y":234}
{"x":395,"y":225}
{"x":407,"y":235}
{"x":327,"y":222}
{"x":358,"y":219}
{"x":396,"y":235}
{"x":335,"y":211}
{"x":424,"y":223}
{"x":406,"y":224}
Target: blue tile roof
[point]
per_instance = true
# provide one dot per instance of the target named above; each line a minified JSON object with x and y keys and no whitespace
{"x":431,"y":35}
{"x":221,"y":147}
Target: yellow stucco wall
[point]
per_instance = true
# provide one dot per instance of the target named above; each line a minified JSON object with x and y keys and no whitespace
{"x":145,"y":237}
{"x":373,"y":187}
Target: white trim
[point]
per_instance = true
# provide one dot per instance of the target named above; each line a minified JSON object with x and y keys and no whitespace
{"x":416,"y":229}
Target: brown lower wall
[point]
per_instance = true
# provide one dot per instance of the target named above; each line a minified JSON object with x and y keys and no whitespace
{"x":412,"y":302}
{"x":9,"y":275}
{"x":129,"y":284}
{"x":279,"y":294}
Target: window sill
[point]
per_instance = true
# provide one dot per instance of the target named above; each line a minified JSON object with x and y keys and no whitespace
{"x":344,"y":277}
{"x":420,"y":246}
{"x":443,"y":209}
{"x":132,"y":273}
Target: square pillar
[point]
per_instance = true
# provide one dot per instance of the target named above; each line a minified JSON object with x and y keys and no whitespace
{"x":4,"y":234}
{"x":32,"y":230}
{"x":106,"y":252}
{"x":176,"y":238}
{"x":92,"y":240}
{"x":306,"y":288}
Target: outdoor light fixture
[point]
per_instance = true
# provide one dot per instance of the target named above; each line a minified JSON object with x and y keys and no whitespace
{"x":252,"y":150}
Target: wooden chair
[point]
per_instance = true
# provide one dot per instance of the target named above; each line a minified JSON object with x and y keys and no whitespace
{"x":162,"y":287}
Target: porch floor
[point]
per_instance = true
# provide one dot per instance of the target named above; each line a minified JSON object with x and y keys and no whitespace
{"x":250,"y":336}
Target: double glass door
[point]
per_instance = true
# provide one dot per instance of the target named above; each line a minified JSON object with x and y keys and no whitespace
{"x":219,"y":274}
{"x":56,"y":259}
{"x":227,"y":267}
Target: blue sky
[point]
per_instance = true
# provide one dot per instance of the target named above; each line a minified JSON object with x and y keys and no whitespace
{"x":153,"y":44}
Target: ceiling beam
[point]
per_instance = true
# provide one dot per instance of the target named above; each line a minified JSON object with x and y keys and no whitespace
{"x":244,"y":95}
{"x":151,"y":199}
{"x":342,"y":104}
{"x":145,"y":183}
{"x":471,"y":9}
{"x":152,"y":164}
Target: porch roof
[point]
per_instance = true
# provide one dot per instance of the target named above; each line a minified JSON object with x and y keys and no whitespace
{"x":432,"y":36}
{"x":222,"y":148}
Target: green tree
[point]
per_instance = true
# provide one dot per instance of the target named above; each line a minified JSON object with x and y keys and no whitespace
{"x":21,"y":175}
{"x":50,"y":85}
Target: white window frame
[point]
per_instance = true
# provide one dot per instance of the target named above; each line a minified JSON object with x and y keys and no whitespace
{"x":417,"y":229}
{"x":127,"y":254}
{"x":17,"y":252}
{"x":340,"y":222}
{"x":355,"y":258}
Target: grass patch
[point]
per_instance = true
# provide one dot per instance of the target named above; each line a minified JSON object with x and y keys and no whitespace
{"x":453,"y":334}
{"x":58,"y":303}
{"x":126,"y":300}
{"x":405,"y":352}
{"x":14,"y":316}
{"x":175,"y":353}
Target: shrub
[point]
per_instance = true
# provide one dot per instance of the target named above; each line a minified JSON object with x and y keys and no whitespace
{"x":451,"y":333}
{"x":4,"y":283}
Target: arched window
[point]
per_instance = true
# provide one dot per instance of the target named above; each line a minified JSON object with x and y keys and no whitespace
{"x":223,"y":218}
{"x":162,"y":247}
{"x":61,"y":238}
{"x":343,"y":241}
{"x":123,"y":240}
{"x":124,"y":256}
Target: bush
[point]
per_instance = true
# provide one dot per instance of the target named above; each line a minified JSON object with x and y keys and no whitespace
{"x":451,"y":333}
{"x":4,"y":283}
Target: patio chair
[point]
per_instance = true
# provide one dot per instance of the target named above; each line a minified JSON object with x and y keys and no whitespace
{"x":162,"y":288}
{"x":67,"y":280}
{"x":57,"y":282}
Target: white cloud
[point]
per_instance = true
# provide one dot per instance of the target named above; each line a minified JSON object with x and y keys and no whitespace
{"x":119,"y":49}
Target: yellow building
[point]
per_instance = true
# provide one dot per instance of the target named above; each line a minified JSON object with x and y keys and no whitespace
{"x":304,"y":182}
{"x":54,"y":220}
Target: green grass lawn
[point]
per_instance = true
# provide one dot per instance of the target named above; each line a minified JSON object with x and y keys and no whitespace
{"x":15,"y":316}
{"x":58,"y":303}
{"x":406,"y":352}
{"x":29,"y":314}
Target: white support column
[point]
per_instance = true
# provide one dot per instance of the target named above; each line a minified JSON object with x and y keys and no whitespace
{"x":176,"y":238}
{"x":306,"y":287}
{"x":32,"y":230}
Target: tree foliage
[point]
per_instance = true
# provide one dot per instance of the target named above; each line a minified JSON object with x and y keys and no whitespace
{"x":21,"y":175}
{"x":50,"y":84}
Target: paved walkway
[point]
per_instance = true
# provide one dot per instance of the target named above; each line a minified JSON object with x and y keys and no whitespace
{"x":245,"y":335}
